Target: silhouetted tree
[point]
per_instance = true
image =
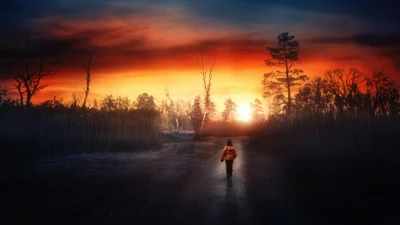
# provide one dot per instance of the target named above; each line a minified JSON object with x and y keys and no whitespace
{"x":230,"y":112}
{"x":171,"y":110}
{"x":3,"y":94}
{"x":75,"y":101}
{"x":278,"y":103}
{"x":257,"y":111}
{"x":382,"y":94}
{"x":284,"y":55}
{"x":28,"y":78}
{"x":145,"y":101}
{"x":303,"y":99}
{"x":206,"y":69}
{"x":108,"y":104}
{"x":345,"y":88}
{"x":19,"y":87}
{"x":212,"y":112}
{"x":122,"y":103}
{"x":195,"y":115}
{"x":87,"y":89}
{"x":314,"y":96}
{"x":52,"y":104}
{"x":165,"y":117}
{"x":176,"y":111}
{"x":95,"y":104}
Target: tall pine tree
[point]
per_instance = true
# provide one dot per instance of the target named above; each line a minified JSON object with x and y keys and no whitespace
{"x":285,"y":55}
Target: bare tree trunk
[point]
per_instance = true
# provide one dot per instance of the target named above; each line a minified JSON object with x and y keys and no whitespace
{"x":206,"y":69}
{"x":177,"y":125}
{"x":28,"y":99}
{"x":21,"y":97}
{"x":3,"y":94}
{"x":289,"y":103}
{"x":203,"y":120}
{"x":174,"y":108}
{"x":20,"y":92}
{"x":87,"y":68}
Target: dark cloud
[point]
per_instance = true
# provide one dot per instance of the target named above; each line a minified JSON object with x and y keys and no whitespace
{"x":17,"y":15}
{"x":68,"y":52}
{"x":374,"y":9}
{"x":371,"y":40}
{"x":55,"y":51}
{"x":381,"y":14}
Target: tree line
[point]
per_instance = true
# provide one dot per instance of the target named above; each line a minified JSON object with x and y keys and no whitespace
{"x":340,"y":91}
{"x":29,"y":80}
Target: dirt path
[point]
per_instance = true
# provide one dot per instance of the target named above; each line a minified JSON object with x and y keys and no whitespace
{"x":217,"y":199}
{"x":186,"y":184}
{"x":254,"y":194}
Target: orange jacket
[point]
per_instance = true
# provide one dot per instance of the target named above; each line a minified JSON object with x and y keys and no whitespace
{"x":229,"y":153}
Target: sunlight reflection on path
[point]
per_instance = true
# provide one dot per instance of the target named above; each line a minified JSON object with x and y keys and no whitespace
{"x":222,"y":199}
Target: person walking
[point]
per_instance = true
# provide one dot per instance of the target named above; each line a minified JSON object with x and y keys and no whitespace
{"x":229,"y":154}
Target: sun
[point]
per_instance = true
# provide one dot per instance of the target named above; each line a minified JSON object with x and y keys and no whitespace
{"x":244,"y":113}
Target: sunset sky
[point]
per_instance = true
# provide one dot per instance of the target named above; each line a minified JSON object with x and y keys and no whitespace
{"x":148,"y":46}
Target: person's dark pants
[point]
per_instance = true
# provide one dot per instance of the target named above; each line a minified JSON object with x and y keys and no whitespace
{"x":229,"y":167}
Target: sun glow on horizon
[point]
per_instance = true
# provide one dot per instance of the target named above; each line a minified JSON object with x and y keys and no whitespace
{"x":244,"y":113}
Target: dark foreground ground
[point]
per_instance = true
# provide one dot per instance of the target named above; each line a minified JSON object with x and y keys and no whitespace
{"x":183,"y":183}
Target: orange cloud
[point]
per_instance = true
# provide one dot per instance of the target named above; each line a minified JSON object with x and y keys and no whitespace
{"x":148,"y":53}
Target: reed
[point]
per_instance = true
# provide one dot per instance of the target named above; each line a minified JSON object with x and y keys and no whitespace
{"x":47,"y":131}
{"x":336,"y":166}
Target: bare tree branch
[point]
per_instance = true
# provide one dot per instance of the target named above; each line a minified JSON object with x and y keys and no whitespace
{"x":28,"y":80}
{"x":206,"y":69}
